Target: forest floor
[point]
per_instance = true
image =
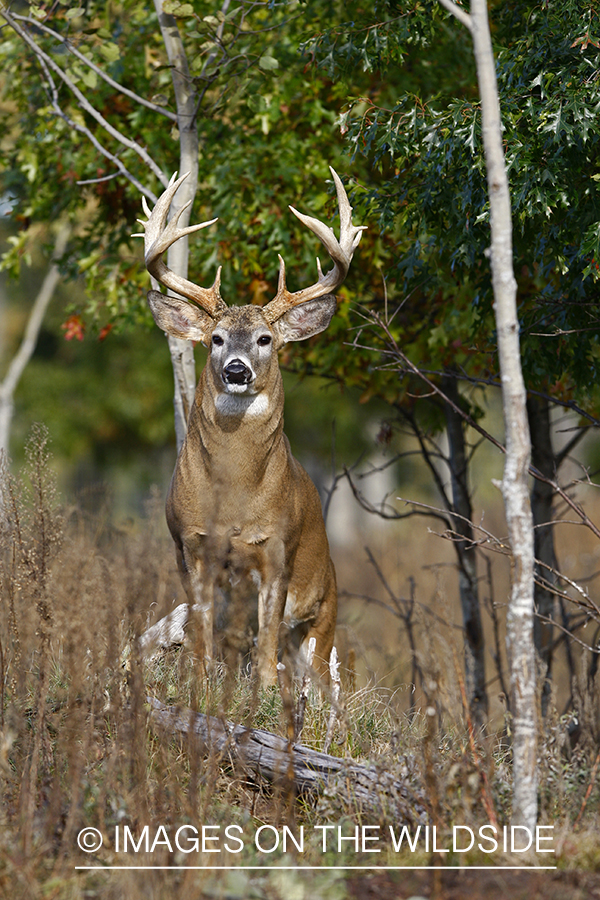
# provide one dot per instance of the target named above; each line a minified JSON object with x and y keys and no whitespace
{"x":474,"y":884}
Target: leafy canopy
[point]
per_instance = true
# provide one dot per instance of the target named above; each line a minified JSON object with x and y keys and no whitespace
{"x":430,"y":189}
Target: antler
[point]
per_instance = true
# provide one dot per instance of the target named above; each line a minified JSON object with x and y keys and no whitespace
{"x":158,"y":237}
{"x":341,"y":253}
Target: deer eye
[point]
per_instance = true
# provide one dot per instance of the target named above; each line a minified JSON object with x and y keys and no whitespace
{"x":264,"y":340}
{"x":217,"y":340}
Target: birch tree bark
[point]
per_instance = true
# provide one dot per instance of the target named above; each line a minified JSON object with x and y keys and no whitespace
{"x":518,"y":444}
{"x":182,"y":353}
{"x":32,"y":329}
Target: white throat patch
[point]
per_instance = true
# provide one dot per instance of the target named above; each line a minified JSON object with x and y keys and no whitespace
{"x":242,"y":404}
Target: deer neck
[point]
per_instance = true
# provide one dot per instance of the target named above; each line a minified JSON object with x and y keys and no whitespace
{"x":237,"y":437}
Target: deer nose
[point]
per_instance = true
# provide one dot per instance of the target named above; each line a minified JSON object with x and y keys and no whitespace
{"x":237,"y":372}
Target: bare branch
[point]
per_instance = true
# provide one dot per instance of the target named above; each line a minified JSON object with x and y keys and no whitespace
{"x":101,"y":180}
{"x":83,"y":101}
{"x":385,"y":510}
{"x":490,"y":381}
{"x":82,"y":129}
{"x":411,"y":367}
{"x":488,"y":537}
{"x":499,"y":545}
{"x":568,"y":633}
{"x":100,"y":72}
{"x":382,"y":578}
{"x":586,"y":602}
{"x":463,"y":17}
{"x":560,"y":332}
{"x":570,"y":502}
{"x":428,"y":457}
{"x":435,"y":616}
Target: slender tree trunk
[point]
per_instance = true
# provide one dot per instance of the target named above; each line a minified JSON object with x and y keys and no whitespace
{"x":518,"y":446}
{"x":28,"y":344}
{"x":182,"y":352}
{"x":542,"y":494}
{"x":467,"y":561}
{"x":515,"y":491}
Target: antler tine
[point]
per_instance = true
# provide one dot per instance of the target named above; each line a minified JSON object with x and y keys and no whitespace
{"x":341,"y":253}
{"x":159,"y":236}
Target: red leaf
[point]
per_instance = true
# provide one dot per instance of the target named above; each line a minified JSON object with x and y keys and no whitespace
{"x":74,"y":327}
{"x":105,"y":331}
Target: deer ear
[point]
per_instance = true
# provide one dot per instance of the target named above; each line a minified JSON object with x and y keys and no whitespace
{"x":302,"y":321}
{"x":179,"y":318}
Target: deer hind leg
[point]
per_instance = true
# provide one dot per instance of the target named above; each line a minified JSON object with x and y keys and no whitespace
{"x":322,"y":628}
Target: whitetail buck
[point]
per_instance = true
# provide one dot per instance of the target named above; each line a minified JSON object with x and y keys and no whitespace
{"x":239,"y":502}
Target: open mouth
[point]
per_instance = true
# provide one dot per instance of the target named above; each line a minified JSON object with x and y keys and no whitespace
{"x":235,"y":388}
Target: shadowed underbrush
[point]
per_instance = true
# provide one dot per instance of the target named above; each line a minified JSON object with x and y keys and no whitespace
{"x":78,"y":749}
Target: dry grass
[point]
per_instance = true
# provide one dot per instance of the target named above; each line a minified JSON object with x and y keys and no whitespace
{"x":76,"y":749}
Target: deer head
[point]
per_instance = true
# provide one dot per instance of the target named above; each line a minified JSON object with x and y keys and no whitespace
{"x":289,"y":316}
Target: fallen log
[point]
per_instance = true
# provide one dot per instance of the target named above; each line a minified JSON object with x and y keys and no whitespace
{"x":167,"y":632}
{"x":373,"y":789}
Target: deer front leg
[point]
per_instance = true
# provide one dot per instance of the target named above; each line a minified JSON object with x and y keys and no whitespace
{"x":271,"y":604}
{"x":199,"y":587}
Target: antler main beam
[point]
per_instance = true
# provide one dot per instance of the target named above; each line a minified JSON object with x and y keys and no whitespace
{"x":341,"y":252}
{"x":159,"y":236}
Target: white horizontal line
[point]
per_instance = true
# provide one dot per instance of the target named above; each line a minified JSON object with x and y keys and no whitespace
{"x":320,"y":868}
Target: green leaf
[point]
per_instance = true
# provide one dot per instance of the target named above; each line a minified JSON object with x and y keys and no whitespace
{"x":175,"y":8}
{"x":89,"y":78}
{"x":110,"y":52}
{"x":268,"y":63}
{"x":74,"y":13}
{"x":232,"y":13}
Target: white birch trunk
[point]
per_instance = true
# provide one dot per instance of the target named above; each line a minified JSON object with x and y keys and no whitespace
{"x":182,"y":352}
{"x":34,"y":323}
{"x":518,"y":444}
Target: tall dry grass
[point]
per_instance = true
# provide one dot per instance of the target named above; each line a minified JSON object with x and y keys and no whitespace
{"x":77,"y":749}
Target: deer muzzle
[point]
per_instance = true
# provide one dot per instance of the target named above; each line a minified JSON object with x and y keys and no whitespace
{"x":237,"y":372}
